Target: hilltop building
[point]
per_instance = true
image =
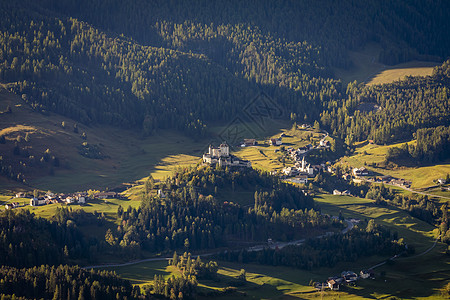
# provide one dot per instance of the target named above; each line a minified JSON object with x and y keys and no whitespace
{"x":221,"y":155}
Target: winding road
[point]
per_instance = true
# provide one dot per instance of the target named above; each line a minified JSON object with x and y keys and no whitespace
{"x":278,"y":245}
{"x":397,"y":257}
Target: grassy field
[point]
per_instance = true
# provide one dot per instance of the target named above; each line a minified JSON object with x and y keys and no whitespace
{"x":366,"y":68}
{"x":400,"y":71}
{"x":129,"y":155}
{"x":263,"y":156}
{"x":421,"y":177}
{"x":415,"y":232}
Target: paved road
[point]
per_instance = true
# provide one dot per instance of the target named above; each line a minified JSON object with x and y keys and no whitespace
{"x":409,"y":189}
{"x":422,"y":193}
{"x":397,"y":257}
{"x":278,"y":245}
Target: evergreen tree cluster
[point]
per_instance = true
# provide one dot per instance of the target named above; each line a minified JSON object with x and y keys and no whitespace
{"x":433,"y":145}
{"x":392,"y":112}
{"x":63,"y":282}
{"x":326,"y":251}
{"x":24,"y":236}
{"x":182,"y":65}
{"x":416,"y":205}
{"x":190,"y":218}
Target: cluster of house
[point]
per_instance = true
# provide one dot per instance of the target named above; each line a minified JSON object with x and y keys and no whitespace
{"x":393,"y":181}
{"x":303,"y":170}
{"x":347,"y":277}
{"x":358,"y":173}
{"x":12,"y":205}
{"x":221,"y":155}
{"x":50,"y":198}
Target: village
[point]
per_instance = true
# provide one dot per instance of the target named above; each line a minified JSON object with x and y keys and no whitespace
{"x":301,"y":171}
{"x":335,"y":283}
{"x":80,"y":198}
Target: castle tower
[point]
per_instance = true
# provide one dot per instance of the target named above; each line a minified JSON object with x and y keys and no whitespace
{"x":224,"y":150}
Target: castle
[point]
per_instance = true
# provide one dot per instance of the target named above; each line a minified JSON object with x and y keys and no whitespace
{"x":222,"y":156}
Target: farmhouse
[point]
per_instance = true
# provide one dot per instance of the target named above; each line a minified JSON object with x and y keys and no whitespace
{"x":249,"y":142}
{"x":12,"y":205}
{"x":324,"y":143}
{"x":343,"y":193}
{"x":333,"y":285}
{"x":38,"y":201}
{"x":441,"y":181}
{"x":349,"y":276}
{"x":276,"y":142}
{"x":360,"y":171}
{"x":364,"y":274}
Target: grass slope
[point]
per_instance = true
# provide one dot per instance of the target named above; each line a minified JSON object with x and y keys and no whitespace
{"x":421,"y":177}
{"x":400,"y":71}
{"x":366,"y":68}
{"x":263,"y":156}
{"x":130,"y":156}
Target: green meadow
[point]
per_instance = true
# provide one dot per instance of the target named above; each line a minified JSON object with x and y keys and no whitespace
{"x":421,"y":177}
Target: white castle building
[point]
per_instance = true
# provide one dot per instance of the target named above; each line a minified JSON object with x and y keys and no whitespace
{"x":222,"y":156}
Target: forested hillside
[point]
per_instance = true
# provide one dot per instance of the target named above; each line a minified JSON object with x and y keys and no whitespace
{"x":190,"y":216}
{"x":63,"y":282}
{"x":392,"y":112}
{"x":181,"y":65}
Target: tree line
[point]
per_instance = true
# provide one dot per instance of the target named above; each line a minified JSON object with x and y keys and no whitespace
{"x":191,"y":218}
{"x":63,"y":282}
{"x":367,"y":240}
{"x":183,"y":70}
{"x":23,"y":236}
{"x":432,"y":145}
{"x":394,"y":112}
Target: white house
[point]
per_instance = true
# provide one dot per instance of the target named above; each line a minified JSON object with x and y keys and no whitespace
{"x":324,"y":143}
{"x":38,"y":201}
{"x":161,"y":194}
{"x":360,"y":171}
{"x":290,"y":171}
